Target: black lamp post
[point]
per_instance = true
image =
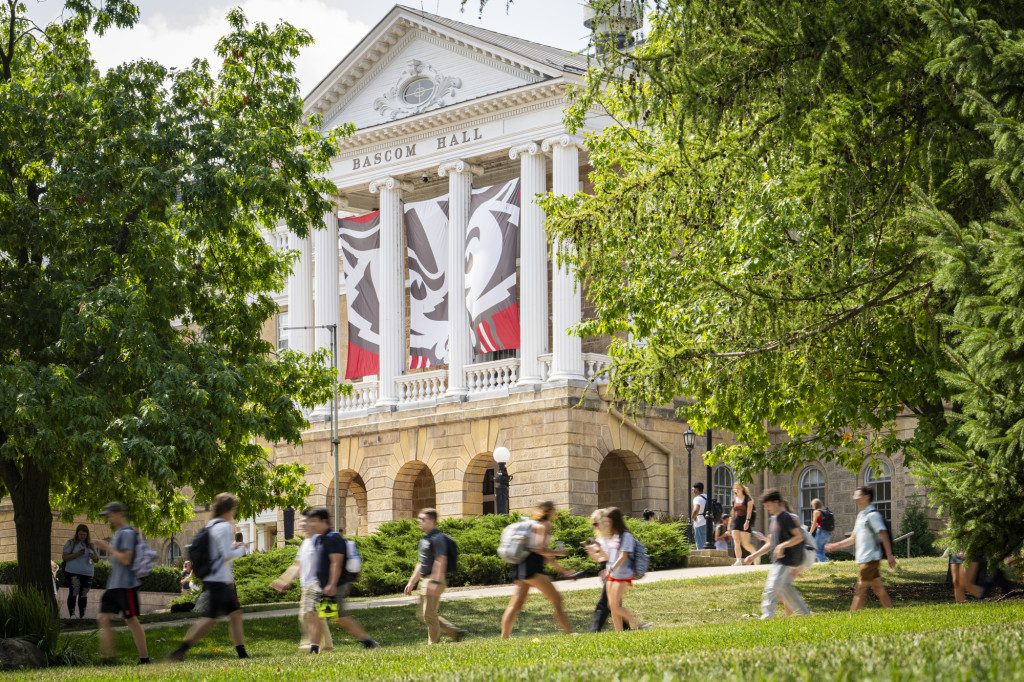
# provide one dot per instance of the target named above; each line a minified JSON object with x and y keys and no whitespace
{"x":710,"y":542}
{"x":501,"y":480}
{"x":689,"y":440}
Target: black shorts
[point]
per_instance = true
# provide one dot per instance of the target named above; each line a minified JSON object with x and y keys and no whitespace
{"x":223,"y":599}
{"x":737,"y":523}
{"x":124,"y":601}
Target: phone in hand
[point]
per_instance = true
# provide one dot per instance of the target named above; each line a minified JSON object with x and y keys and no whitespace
{"x":591,"y":541}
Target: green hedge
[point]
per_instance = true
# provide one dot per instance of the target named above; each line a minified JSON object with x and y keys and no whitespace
{"x":390,"y":555}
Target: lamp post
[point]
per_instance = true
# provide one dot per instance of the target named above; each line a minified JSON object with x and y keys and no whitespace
{"x":709,"y":543}
{"x":501,"y":480}
{"x":689,"y":440}
{"x":333,"y":328}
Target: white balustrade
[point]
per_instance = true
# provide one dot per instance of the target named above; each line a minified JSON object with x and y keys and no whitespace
{"x":545,"y":365}
{"x":490,"y":377}
{"x":422,"y":386}
{"x":362,"y":397}
{"x":593,"y":365}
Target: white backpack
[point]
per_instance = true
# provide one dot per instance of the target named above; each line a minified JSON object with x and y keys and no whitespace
{"x":810,"y":550}
{"x":514,"y":545}
{"x":143,"y":558}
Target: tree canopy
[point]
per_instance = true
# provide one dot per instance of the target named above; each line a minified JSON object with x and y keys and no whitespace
{"x":795,"y":221}
{"x":134,"y":279}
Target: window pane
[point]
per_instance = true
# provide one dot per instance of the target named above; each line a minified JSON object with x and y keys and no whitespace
{"x":722,"y":482}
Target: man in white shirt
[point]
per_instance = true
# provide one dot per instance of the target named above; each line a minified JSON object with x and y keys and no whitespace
{"x":304,"y":567}
{"x":220,"y":583}
{"x":700,"y":524}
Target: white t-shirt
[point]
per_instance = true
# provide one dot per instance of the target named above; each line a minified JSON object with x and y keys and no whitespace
{"x":222,"y":537}
{"x":698,"y":504}
{"x":614,"y":547}
{"x":307,"y":561}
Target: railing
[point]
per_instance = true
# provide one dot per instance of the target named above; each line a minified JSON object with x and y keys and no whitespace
{"x":906,"y":537}
{"x":422,"y":386}
{"x":497,"y":375}
{"x":593,"y":365}
{"x":363,"y":397}
{"x":545,"y":366}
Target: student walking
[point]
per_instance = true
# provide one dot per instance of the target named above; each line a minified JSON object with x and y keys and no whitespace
{"x":786,"y":546}
{"x":78,"y":556}
{"x":697,"y":517}
{"x":742,"y":517}
{"x":431,"y":576}
{"x":304,"y":568}
{"x":333,"y":577}
{"x":593,"y":547}
{"x":617,"y":545}
{"x":871,"y":538}
{"x":822,"y":523}
{"x":220,"y":583}
{"x":530,"y":573}
{"x":122,"y":593}
{"x":962,"y":583}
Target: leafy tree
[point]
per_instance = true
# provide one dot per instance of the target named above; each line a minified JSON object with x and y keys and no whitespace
{"x":134,"y":281}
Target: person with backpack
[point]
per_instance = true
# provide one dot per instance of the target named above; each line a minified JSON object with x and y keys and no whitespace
{"x":617,"y":547}
{"x":304,"y":568}
{"x":786,"y":544}
{"x":212,"y":564}
{"x":697,"y":516}
{"x":871,"y":538}
{"x":336,"y":571}
{"x":743,"y":515}
{"x":823,"y":522}
{"x":528,"y":571}
{"x":122,"y":593}
{"x":79,"y":556}
{"x":437,"y":560}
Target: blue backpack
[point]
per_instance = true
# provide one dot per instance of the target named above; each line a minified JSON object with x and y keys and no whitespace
{"x":641,"y":560}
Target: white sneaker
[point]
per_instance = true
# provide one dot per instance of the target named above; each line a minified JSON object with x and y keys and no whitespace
{"x":739,"y":562}
{"x":646,"y":626}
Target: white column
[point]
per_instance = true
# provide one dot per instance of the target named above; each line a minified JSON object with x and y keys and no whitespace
{"x":567,"y":360}
{"x":327,"y":306}
{"x":460,"y":348}
{"x":533,"y":259}
{"x":300,"y":296}
{"x":391,"y":288}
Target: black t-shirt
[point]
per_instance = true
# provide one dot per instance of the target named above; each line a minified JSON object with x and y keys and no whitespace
{"x":782,"y":527}
{"x":433,"y":544}
{"x":327,"y":544}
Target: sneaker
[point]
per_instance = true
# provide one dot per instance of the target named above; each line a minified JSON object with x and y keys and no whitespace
{"x":370,"y":644}
{"x":574,"y":576}
{"x":739,"y":562}
{"x":178,"y":655}
{"x":459,"y":636}
{"x":646,"y":626}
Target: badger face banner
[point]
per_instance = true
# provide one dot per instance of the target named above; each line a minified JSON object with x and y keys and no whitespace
{"x":426,"y":236}
{"x":360,"y":252}
{"x":491,"y":289}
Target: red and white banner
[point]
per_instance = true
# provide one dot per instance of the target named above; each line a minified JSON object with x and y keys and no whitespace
{"x":492,"y":292}
{"x":360,"y":254}
{"x":426,"y":237}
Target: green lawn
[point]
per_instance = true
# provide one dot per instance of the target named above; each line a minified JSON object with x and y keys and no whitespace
{"x":706,"y":629}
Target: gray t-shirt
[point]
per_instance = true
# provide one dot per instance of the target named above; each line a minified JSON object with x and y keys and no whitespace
{"x":432,"y":545}
{"x":79,"y":565}
{"x":121,"y":576}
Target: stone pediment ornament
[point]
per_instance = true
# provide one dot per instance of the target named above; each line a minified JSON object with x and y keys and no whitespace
{"x":419,"y":88}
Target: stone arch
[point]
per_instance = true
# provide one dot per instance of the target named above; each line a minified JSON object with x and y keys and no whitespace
{"x":414,"y":489}
{"x":478,"y":485}
{"x":352,"y":500}
{"x":622,"y":482}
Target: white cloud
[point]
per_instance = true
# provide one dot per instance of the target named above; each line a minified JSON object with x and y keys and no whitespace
{"x":156,"y":37}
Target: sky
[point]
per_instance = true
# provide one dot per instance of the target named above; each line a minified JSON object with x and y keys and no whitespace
{"x":174,"y":32}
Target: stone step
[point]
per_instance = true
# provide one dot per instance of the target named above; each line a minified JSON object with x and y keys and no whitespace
{"x":701,"y":559}
{"x":711,"y":552}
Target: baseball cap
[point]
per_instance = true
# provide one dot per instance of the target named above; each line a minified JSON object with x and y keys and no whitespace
{"x":110,"y":507}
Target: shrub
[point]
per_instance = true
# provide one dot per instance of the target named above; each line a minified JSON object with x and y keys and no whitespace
{"x":254,"y":573}
{"x":915,"y":520}
{"x":30,"y":615}
{"x":160,"y":579}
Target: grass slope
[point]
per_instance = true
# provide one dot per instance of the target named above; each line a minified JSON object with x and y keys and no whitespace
{"x":707,"y":629}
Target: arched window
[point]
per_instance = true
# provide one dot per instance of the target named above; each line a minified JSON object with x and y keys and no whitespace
{"x":812,"y":485}
{"x":172,"y":555}
{"x":880,"y":481}
{"x":722,"y":487}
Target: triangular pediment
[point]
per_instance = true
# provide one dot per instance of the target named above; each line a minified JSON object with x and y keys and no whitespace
{"x":412,"y":62}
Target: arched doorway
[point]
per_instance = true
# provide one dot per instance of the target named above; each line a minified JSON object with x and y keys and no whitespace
{"x":352,"y":499}
{"x":479,"y":485}
{"x":620,"y":482}
{"x":414,"y":490}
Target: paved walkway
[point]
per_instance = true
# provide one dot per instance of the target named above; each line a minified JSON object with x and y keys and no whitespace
{"x":458,"y":594}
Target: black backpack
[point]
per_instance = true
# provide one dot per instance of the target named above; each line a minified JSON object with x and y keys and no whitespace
{"x":200,"y":553}
{"x":828,"y":520}
{"x":713,"y":510}
{"x":453,"y":554}
{"x":753,"y":513}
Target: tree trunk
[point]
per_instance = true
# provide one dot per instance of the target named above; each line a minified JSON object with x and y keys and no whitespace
{"x":33,"y":523}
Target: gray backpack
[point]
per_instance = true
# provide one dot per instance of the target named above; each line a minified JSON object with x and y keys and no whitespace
{"x":514,"y":545}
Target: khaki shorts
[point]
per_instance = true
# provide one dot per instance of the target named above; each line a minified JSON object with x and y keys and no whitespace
{"x":869,"y":571}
